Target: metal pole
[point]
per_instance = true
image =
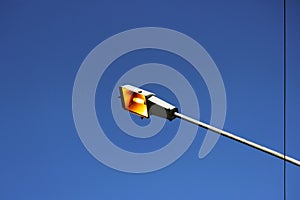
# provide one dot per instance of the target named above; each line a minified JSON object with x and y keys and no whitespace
{"x":239,"y":139}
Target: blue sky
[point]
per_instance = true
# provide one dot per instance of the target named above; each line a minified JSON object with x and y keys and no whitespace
{"x":42,"y":47}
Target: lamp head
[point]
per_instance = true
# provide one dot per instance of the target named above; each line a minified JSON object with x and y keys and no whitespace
{"x":135,"y":100}
{"x":145,"y":103}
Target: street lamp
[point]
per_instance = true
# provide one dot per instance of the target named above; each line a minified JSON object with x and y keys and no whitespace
{"x":144,"y":103}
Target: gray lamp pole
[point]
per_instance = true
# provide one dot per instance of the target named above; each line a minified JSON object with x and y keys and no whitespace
{"x":239,"y":139}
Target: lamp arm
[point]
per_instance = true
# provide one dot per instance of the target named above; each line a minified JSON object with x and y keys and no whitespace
{"x":239,"y":139}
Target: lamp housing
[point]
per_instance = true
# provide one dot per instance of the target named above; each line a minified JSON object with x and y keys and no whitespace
{"x":145,"y":103}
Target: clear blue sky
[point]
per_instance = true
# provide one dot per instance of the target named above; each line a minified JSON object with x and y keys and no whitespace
{"x":42,"y":45}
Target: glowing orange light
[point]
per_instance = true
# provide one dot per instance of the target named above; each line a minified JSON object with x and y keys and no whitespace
{"x":138,"y":100}
{"x":134,"y":102}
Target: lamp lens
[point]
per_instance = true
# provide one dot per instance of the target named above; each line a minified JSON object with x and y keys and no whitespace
{"x":134,"y":102}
